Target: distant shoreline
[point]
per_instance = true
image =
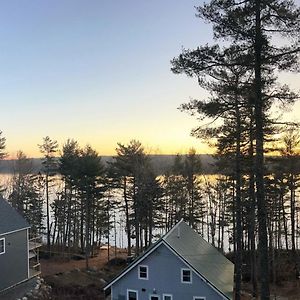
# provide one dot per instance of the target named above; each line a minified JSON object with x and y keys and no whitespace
{"x":161,"y":163}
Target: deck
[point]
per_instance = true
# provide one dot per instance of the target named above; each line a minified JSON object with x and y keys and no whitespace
{"x":34,"y":272}
{"x":35,"y":243}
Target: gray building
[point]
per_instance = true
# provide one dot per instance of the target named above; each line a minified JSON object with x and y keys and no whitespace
{"x":18,"y":253}
{"x":180,"y":266}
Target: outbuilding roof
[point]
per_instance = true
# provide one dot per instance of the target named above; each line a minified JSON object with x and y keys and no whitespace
{"x":10,"y":219}
{"x":201,"y":256}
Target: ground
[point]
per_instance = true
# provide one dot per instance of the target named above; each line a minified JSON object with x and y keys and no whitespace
{"x":287,"y":290}
{"x":69,"y":279}
{"x":19,"y":290}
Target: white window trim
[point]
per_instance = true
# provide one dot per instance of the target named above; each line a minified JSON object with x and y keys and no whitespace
{"x":167,"y":295}
{"x":135,"y":291}
{"x":191,"y":277}
{"x":199,"y":298}
{"x":143,"y":266}
{"x":3,"y":239}
{"x":155,"y":295}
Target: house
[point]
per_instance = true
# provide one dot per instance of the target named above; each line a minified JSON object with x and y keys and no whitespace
{"x":18,"y":255}
{"x":179,"y":266}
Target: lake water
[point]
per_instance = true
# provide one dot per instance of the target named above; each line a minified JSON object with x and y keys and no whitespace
{"x":117,"y":237}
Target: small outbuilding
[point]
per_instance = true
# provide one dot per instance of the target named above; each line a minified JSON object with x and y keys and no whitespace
{"x":179,"y":266}
{"x":18,"y":254}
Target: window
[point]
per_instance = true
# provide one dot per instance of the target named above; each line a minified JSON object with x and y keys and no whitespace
{"x":167,"y":297}
{"x":154,"y":297}
{"x":143,"y":272}
{"x":199,"y":298}
{"x":186,"y":276}
{"x":2,"y":246}
{"x":132,"y":295}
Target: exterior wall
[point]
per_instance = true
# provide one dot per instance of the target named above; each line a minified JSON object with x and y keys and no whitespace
{"x":164,"y":273}
{"x":14,"y":262}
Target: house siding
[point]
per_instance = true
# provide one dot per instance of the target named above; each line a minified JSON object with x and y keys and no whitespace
{"x":14,"y":262}
{"x":164,"y":278}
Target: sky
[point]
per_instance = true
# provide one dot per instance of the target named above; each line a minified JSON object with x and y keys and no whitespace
{"x":99,"y":72}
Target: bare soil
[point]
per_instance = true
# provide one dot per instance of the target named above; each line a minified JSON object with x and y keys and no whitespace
{"x":287,"y":290}
{"x":56,"y":265}
{"x":69,"y":278}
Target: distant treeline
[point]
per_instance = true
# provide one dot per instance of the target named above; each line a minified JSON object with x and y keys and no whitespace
{"x":161,"y":164}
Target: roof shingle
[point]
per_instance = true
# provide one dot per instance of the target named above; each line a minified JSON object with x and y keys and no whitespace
{"x":10,"y":219}
{"x":202,"y":256}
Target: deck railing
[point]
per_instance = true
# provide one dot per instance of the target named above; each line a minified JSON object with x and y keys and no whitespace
{"x":35,"y":270}
{"x":35,"y":242}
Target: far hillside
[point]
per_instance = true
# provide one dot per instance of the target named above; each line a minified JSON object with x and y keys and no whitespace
{"x":161,"y":163}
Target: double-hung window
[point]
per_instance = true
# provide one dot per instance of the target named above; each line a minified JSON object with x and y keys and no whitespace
{"x":143,"y":272}
{"x":132,"y":295}
{"x":186,"y":276}
{"x":167,"y":297}
{"x":199,"y":298}
{"x":2,"y":246}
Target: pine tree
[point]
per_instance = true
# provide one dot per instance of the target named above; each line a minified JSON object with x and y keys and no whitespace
{"x":26,"y":194}
{"x":90,"y":173}
{"x":250,"y":26}
{"x":48,"y":149}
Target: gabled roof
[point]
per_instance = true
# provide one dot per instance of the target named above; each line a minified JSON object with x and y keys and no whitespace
{"x":201,"y":256}
{"x":10,"y":219}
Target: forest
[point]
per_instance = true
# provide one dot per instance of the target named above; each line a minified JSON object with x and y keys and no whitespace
{"x":249,"y":207}
{"x":87,"y":200}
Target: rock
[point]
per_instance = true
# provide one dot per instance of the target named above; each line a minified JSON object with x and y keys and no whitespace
{"x":24,"y":298}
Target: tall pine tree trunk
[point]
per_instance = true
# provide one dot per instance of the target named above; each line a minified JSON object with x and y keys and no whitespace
{"x":293,"y":224}
{"x":87,"y":231}
{"x":48,"y":214}
{"x":259,"y":166}
{"x":128,"y":230}
{"x":238,"y":205}
{"x":252,"y":198}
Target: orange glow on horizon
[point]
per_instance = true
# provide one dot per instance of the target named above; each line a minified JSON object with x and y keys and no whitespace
{"x":108,"y":149}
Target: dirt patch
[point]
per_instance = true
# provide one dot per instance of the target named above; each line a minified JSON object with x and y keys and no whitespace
{"x":287,"y":290}
{"x":69,"y":278}
{"x":56,"y":264}
{"x":76,"y":285}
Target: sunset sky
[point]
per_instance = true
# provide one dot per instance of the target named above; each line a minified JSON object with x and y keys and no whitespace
{"x":99,"y":72}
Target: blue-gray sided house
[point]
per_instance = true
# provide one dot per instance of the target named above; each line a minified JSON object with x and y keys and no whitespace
{"x":179,"y":266}
{"x":18,"y":259}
